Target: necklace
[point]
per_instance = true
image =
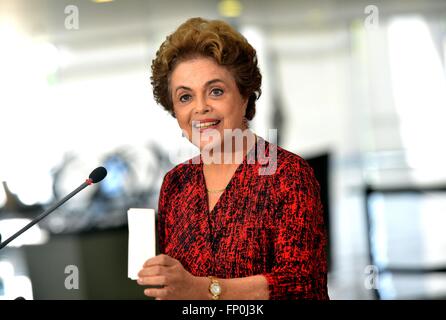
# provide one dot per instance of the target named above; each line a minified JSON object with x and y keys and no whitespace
{"x":215,"y":191}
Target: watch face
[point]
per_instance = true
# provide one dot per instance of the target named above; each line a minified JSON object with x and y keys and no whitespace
{"x":215,"y":289}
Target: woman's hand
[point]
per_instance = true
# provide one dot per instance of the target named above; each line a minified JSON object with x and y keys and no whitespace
{"x":176,"y":282}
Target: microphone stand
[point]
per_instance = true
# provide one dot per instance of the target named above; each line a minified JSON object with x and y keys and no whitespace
{"x":45,"y":213}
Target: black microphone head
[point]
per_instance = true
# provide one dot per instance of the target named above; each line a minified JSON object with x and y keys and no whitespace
{"x":98,"y":174}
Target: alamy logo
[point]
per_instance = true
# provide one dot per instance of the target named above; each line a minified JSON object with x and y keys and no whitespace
{"x":372,"y":277}
{"x":212,"y":151}
{"x":72,"y":18}
{"x":372,"y":20}
{"x":72,"y":280}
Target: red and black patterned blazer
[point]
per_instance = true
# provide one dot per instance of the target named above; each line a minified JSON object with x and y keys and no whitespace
{"x":270,"y":224}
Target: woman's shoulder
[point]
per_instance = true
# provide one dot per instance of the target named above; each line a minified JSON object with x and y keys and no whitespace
{"x":294,"y":172}
{"x":289,"y":163}
{"x":183,"y":171}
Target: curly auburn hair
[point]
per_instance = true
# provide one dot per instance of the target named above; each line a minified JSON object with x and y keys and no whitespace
{"x":215,"y":39}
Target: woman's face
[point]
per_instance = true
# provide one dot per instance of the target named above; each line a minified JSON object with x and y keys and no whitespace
{"x":205,"y":97}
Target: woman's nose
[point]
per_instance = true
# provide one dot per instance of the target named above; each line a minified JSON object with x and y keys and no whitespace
{"x":202,"y":106}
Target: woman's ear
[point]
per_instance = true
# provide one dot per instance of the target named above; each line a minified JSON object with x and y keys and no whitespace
{"x":245,"y":120}
{"x":245,"y":106}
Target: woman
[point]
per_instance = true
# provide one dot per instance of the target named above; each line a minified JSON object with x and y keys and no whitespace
{"x":226,"y":231}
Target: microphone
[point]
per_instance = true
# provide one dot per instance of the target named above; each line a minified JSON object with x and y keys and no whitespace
{"x":95,"y":176}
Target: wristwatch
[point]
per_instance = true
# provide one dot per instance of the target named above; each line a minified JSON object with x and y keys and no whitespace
{"x":214,"y":288}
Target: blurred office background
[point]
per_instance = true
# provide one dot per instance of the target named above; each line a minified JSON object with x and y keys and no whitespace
{"x":355,"y":87}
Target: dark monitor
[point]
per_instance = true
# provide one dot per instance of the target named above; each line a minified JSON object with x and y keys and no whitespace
{"x":321,"y":167}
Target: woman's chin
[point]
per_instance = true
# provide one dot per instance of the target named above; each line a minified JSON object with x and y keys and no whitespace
{"x":207,"y":140}
{"x":206,"y":146}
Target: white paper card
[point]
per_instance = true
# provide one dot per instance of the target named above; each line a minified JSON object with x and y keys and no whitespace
{"x":142,"y":245}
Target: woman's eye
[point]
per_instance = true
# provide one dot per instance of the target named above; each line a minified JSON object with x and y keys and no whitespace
{"x":185,"y":98}
{"x":216,"y":92}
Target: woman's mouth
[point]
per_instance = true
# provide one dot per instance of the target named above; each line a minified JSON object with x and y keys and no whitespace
{"x":203,"y":125}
